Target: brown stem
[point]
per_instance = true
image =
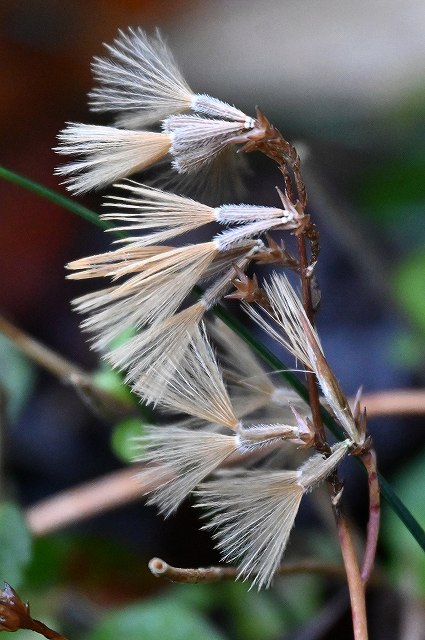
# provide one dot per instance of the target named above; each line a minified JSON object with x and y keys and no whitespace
{"x":84,"y":501}
{"x":355,"y":584}
{"x":313,"y":392}
{"x":162,"y":569}
{"x":369,"y":461}
{"x":44,"y":630}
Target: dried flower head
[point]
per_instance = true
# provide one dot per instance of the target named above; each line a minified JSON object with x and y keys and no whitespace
{"x":15,"y":615}
{"x":141,"y":81}
{"x":143,"y":84}
{"x":287,"y":322}
{"x":180,"y":457}
{"x":253,"y":512}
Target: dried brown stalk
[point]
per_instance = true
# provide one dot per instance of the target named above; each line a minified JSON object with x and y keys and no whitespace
{"x":268,"y":140}
{"x":15,"y":614}
{"x":394,"y":402}
{"x":369,"y":461}
{"x":162,"y":569}
{"x":355,"y":583}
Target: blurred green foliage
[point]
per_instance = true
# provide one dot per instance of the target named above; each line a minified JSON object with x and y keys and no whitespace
{"x":164,"y":618}
{"x":15,"y":544}
{"x":123,"y":439}
{"x":17,"y":378}
{"x":406,"y":561}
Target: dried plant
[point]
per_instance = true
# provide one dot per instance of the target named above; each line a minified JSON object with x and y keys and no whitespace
{"x":15,"y":615}
{"x":169,"y":360}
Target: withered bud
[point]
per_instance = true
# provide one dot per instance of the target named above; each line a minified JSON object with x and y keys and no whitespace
{"x":306,"y":429}
{"x":276,"y":253}
{"x":15,"y":614}
{"x":247,"y":289}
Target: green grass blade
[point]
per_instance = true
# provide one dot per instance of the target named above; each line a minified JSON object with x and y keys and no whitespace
{"x":52,"y":196}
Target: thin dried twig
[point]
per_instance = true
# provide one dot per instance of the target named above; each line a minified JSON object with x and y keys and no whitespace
{"x":355,"y":583}
{"x":97,"y":496}
{"x":369,"y":461}
{"x":270,"y":142}
{"x":65,"y":370}
{"x":161,"y":569}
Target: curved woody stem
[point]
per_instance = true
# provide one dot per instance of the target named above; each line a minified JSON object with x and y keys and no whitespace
{"x":270,"y":142}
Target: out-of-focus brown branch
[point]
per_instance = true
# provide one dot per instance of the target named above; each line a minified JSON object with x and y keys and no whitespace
{"x":97,"y":496}
{"x":394,"y":402}
{"x":70,"y":373}
{"x":85,"y":501}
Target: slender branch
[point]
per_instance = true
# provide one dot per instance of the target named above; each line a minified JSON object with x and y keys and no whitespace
{"x":355,"y":584}
{"x":369,"y":461}
{"x":42,"y":355}
{"x":285,"y":156}
{"x":161,"y":569}
{"x":67,"y":371}
{"x":85,"y":501}
{"x":313,"y":391}
{"x":97,"y":496}
{"x":44,"y":630}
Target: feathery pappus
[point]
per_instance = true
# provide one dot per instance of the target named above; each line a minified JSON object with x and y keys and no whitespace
{"x":141,"y":81}
{"x":235,"y":416}
{"x":287,"y":323}
{"x":151,"y":282}
{"x":252,"y":388}
{"x":252,"y":511}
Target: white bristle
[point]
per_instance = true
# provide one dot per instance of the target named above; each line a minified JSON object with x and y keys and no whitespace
{"x":107,"y":153}
{"x":151,"y":357}
{"x":197,"y":387}
{"x":147,"y":209}
{"x":181,"y":459}
{"x":290,"y":326}
{"x":253,"y":514}
{"x":196,"y":141}
{"x":140,"y":80}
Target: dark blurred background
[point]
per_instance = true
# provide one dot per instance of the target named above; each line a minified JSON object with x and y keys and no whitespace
{"x":343,"y":81}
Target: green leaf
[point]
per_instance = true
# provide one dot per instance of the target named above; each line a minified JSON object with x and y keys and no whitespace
{"x":409,"y":287}
{"x":407,"y":350}
{"x":122,"y":439}
{"x":15,"y":544}
{"x":405,"y":559}
{"x":16,"y":376}
{"x":164,"y":619}
{"x":253,"y":614}
{"x":111,"y":381}
{"x":393,"y":190}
